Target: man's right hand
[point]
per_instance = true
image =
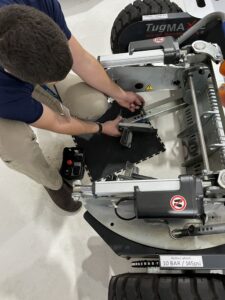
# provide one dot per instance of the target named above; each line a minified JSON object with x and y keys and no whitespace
{"x":111,"y":128}
{"x":52,"y":121}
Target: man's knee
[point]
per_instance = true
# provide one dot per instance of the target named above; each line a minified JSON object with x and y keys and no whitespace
{"x":84,"y":101}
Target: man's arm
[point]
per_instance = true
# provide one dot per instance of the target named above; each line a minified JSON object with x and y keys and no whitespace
{"x":92,"y":72}
{"x":57,"y":123}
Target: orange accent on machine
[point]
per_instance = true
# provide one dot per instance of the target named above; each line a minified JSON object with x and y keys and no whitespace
{"x":222,"y":87}
{"x":222,"y":68}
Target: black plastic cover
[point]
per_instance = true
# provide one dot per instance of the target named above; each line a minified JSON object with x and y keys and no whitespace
{"x":187,"y":202}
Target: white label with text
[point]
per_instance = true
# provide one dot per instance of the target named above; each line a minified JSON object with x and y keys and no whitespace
{"x":180,"y":261}
{"x":154,"y":17}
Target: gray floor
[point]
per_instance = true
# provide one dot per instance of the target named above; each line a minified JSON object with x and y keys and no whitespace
{"x":44,"y":254}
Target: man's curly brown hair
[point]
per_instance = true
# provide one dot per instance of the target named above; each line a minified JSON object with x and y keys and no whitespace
{"x":32,"y":46}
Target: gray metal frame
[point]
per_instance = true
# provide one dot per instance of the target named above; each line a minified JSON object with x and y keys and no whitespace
{"x":186,"y":84}
{"x":190,"y":89}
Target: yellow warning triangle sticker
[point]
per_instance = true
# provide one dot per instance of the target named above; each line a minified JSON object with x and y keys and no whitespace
{"x":149,"y":88}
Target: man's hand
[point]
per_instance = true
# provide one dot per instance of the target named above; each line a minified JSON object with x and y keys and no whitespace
{"x":131,"y":101}
{"x":111,"y":127}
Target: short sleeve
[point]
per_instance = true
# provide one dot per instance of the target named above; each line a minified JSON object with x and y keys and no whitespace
{"x":26,"y":110}
{"x":57,"y":15}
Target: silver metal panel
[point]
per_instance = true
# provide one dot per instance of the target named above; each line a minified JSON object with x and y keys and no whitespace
{"x":106,"y":188}
{"x":137,"y":58}
{"x":150,"y":78}
{"x":148,"y":233}
{"x":199,"y":12}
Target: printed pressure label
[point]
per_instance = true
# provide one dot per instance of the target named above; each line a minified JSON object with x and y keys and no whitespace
{"x":181,"y":261}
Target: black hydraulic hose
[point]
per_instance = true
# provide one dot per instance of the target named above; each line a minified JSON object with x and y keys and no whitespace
{"x":220,"y":16}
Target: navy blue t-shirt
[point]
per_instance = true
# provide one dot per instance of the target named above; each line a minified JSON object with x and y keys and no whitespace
{"x":16,"y":102}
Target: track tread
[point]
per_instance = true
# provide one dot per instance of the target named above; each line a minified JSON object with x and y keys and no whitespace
{"x":167,"y":287}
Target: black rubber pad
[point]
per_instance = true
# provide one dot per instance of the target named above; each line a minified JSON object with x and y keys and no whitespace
{"x":104,"y":155}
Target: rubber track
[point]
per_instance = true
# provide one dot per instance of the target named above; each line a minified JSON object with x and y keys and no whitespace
{"x":167,"y":287}
{"x":134,"y":12}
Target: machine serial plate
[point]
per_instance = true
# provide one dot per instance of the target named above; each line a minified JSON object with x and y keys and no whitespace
{"x":181,"y":262}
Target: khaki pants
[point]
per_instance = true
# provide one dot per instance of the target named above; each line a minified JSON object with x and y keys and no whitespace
{"x":18,"y":144}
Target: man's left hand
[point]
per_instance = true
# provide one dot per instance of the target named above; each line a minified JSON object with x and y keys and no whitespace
{"x":131,"y":101}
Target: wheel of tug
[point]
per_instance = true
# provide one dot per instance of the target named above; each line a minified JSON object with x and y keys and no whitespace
{"x":167,"y":287}
{"x":133,"y":13}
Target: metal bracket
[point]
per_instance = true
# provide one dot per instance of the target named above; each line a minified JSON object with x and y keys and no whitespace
{"x":168,"y":44}
{"x":129,"y":128}
{"x":212,"y":50}
{"x":198,"y":230}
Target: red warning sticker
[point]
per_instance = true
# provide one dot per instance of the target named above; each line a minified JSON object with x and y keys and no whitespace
{"x":178,"y":203}
{"x":159,"y":40}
